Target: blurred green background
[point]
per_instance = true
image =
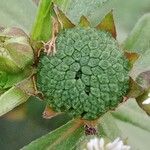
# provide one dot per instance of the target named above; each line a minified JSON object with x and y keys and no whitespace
{"x":24,"y":124}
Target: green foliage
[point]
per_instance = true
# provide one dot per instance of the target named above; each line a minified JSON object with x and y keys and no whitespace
{"x":99,"y":94}
{"x":3,"y":79}
{"x":18,"y":13}
{"x":84,"y":7}
{"x":16,"y":56}
{"x":8,"y":80}
{"x":130,"y":114}
{"x":125,"y":13}
{"x":13,"y":93}
{"x":43,"y":23}
{"x":15,"y":50}
{"x":66,"y":136}
{"x":136,"y":131}
{"x":107,"y":127}
{"x":12,"y":98}
{"x":138,"y":41}
{"x":134,"y":125}
{"x":64,"y":4}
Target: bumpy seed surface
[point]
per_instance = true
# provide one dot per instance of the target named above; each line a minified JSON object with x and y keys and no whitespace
{"x":87,"y":76}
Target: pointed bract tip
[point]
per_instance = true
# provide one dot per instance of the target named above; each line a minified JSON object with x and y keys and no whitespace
{"x":108,"y":24}
{"x":132,"y":57}
{"x":84,"y":22}
{"x":64,"y":21}
{"x":49,"y":113}
{"x":135,"y":89}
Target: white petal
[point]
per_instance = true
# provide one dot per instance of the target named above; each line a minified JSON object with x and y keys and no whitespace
{"x":90,"y":145}
{"x":113,"y":144}
{"x":118,"y":146}
{"x":96,"y":144}
{"x":125,"y":147}
{"x":101,"y":144}
{"x":116,"y":141}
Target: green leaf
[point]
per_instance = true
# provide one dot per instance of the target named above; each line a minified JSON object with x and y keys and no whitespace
{"x":134,"y":125}
{"x":64,"y":4}
{"x":43,"y":22}
{"x":11,"y":99}
{"x":16,"y":95}
{"x":7,"y":63}
{"x":9,"y":80}
{"x":133,"y":116}
{"x":141,"y":65}
{"x":125,"y":16}
{"x":78,"y":8}
{"x":138,"y":41}
{"x":18,"y":13}
{"x":134,"y":136}
{"x":3,"y":79}
{"x":36,"y":2}
{"x":107,"y":127}
{"x":64,"y":137}
{"x":2,"y":91}
{"x":42,"y":28}
{"x":13,"y":79}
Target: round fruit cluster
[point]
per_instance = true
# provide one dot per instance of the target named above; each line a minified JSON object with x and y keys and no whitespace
{"x":87,"y":76}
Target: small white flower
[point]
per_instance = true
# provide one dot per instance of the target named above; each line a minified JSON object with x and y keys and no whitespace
{"x":99,"y":144}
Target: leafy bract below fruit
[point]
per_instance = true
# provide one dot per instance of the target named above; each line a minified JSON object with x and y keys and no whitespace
{"x":88,"y":75}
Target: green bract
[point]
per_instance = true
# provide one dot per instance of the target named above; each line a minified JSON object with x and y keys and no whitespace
{"x":88,"y":75}
{"x":3,"y":79}
{"x":15,"y":50}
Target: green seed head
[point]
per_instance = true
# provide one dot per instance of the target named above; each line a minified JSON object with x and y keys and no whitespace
{"x":88,"y":75}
